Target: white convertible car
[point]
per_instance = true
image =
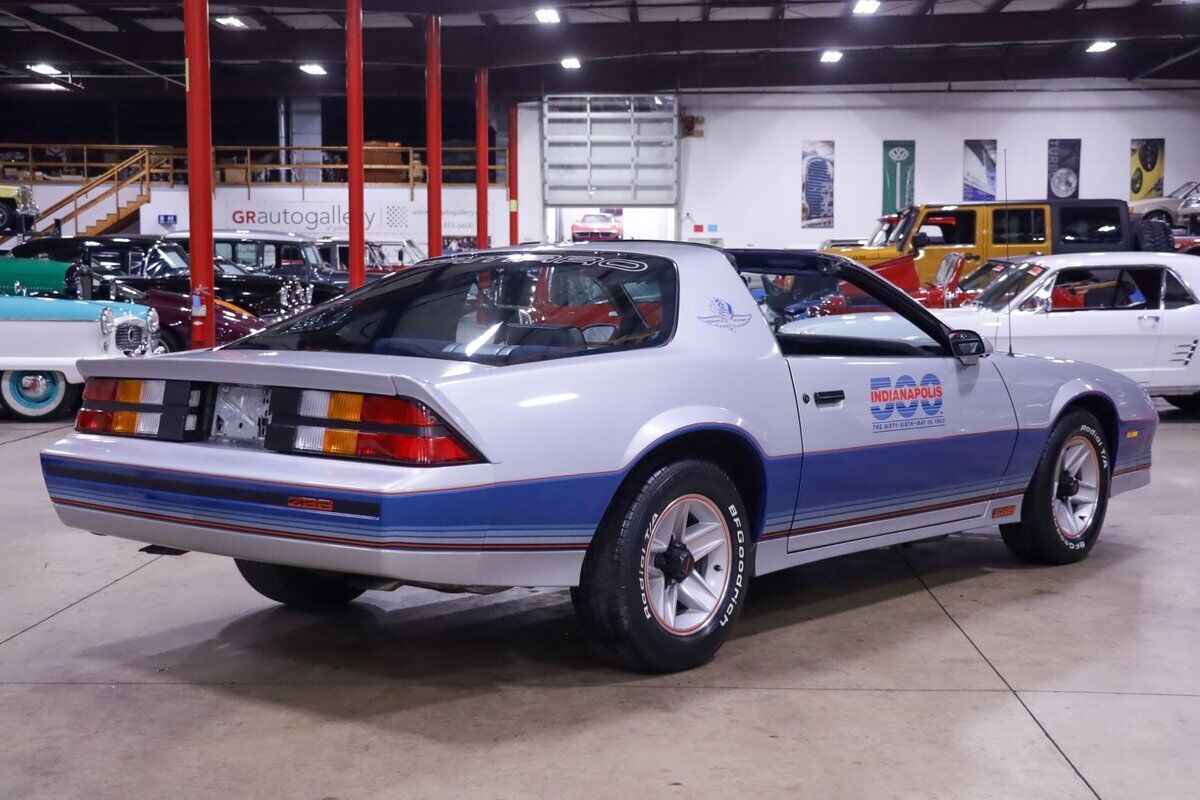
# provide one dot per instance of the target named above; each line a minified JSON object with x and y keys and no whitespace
{"x":619,"y":419}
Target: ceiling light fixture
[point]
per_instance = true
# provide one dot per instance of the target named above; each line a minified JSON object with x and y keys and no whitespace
{"x":1101,"y":47}
{"x":312,"y":69}
{"x":570,"y":62}
{"x":236,"y":22}
{"x":866,"y":6}
{"x":547,"y":16}
{"x":43,"y":69}
{"x":831,"y":56}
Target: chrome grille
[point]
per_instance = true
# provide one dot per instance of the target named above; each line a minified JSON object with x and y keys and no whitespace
{"x":129,"y":336}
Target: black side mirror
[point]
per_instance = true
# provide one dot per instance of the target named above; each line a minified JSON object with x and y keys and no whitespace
{"x":968,"y":347}
{"x":920,"y":239}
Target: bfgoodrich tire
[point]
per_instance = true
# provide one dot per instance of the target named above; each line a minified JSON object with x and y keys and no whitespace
{"x":309,"y":589}
{"x":37,"y":395}
{"x":665,"y":578}
{"x":1064,"y":507}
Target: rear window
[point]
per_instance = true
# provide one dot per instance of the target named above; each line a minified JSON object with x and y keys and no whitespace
{"x":1089,"y":225}
{"x":494,"y":309}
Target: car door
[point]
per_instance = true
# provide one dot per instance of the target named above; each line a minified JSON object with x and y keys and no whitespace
{"x":943,"y":230}
{"x":898,"y":434}
{"x":1109,"y":316}
{"x":1176,"y":364}
{"x":1017,"y":231}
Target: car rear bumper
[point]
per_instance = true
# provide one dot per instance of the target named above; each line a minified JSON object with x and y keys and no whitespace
{"x":448,"y":567}
{"x":481,"y":534}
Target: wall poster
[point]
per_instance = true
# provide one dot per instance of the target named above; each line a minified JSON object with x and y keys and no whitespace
{"x":979,"y":169}
{"x":1062,"y":168}
{"x":899,"y":171}
{"x":1146,"y":158}
{"x":817,"y":183}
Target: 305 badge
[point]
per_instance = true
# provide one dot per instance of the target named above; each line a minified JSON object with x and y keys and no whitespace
{"x":904,"y":403}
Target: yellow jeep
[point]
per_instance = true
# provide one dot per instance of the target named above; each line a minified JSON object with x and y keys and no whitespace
{"x":981,"y":231}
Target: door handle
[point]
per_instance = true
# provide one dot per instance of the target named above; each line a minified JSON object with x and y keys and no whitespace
{"x":1148,"y":316}
{"x":829,"y":398}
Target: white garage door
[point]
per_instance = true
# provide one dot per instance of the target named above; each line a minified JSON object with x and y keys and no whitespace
{"x":610,"y":150}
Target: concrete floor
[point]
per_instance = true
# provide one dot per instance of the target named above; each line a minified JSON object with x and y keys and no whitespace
{"x":939,"y":671}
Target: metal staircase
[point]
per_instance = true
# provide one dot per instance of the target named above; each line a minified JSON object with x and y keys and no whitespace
{"x":125,"y":187}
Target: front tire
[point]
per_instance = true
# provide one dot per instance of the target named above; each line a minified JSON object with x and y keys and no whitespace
{"x":666,"y":575}
{"x":1064,"y":507}
{"x":309,"y":589}
{"x":1161,"y":216}
{"x":37,"y":395}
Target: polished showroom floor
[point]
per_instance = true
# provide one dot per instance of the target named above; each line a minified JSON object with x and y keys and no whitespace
{"x":938,"y":671}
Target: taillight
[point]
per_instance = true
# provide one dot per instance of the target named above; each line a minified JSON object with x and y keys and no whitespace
{"x":365,"y":426}
{"x":134,"y":407}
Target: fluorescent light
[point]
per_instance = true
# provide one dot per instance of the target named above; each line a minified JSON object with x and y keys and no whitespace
{"x":235,"y":22}
{"x":831,"y":56}
{"x":43,"y":69}
{"x":547,"y":16}
{"x":570,"y":62}
{"x":866,"y":6}
{"x":312,"y":69}
{"x":1101,"y":47}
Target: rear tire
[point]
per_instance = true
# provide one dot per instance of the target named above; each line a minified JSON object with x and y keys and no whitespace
{"x":37,"y":395}
{"x":1159,"y":216}
{"x":1185,"y":402}
{"x":1154,"y":236}
{"x":1064,"y":507}
{"x":8,"y":217}
{"x":310,"y":589}
{"x":665,"y":577}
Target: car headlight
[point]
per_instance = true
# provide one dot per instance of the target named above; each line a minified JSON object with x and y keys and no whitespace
{"x":308,"y":294}
{"x":108,"y":321}
{"x":152,"y":324}
{"x":285,"y":294}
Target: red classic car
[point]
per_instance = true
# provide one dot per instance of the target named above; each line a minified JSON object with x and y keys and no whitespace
{"x":950,"y":288}
{"x":595,"y":227}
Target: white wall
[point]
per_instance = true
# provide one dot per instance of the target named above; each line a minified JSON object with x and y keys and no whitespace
{"x":744,"y":174}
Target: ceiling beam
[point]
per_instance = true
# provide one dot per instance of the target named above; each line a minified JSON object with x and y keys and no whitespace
{"x":1175,"y":59}
{"x":526,"y":45}
{"x":933,"y":68}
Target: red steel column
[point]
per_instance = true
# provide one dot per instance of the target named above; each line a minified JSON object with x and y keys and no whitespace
{"x":512,"y":173}
{"x":481,"y":159}
{"x":354,"y":141}
{"x":433,"y":129}
{"x":200,"y":170}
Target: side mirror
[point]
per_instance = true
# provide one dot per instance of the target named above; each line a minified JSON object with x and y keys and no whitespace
{"x":920,"y":239}
{"x":968,"y":347}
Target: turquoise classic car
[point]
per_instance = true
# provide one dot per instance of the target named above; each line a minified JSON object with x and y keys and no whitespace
{"x":41,"y":338}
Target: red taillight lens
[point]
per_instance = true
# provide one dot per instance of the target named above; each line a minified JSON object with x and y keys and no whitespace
{"x":377,"y":428}
{"x":136,"y":407}
{"x":91,"y":421}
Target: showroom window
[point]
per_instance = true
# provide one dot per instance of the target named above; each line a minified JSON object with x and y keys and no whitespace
{"x":1089,"y":225}
{"x":949,"y":227}
{"x":1019,"y":226}
{"x":1175,"y":294}
{"x":1112,"y":289}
